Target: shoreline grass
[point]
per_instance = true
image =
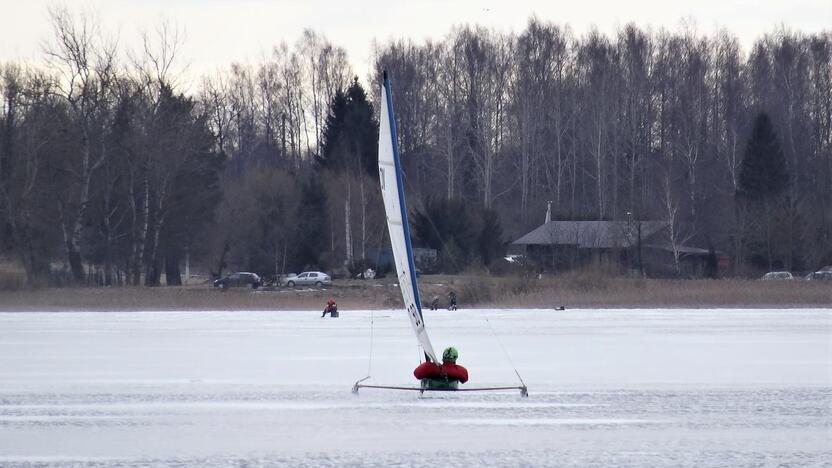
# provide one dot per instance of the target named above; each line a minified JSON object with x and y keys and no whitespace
{"x":572,"y":291}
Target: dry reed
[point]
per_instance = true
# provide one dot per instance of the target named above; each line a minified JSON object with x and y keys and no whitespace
{"x":573,"y":290}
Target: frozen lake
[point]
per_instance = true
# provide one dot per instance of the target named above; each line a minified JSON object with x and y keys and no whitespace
{"x":610,"y":387}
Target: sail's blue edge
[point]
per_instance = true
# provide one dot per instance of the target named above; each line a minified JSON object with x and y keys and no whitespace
{"x":401,"y":196}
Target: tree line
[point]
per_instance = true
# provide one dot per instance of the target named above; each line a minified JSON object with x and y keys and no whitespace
{"x":111,"y":173}
{"x":653,"y":125}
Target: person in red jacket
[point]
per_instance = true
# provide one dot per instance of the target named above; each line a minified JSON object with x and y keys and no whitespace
{"x":448,"y":376}
{"x":331,"y":308}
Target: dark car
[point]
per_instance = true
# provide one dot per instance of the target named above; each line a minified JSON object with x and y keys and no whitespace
{"x":823,"y":275}
{"x":239,"y":279}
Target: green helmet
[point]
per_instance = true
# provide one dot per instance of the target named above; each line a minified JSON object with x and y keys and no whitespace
{"x":450,"y":354}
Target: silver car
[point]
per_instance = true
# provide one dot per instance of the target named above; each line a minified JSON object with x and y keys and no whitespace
{"x":309,"y":278}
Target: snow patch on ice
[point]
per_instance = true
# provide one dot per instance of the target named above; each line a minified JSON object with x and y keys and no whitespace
{"x":547,"y":421}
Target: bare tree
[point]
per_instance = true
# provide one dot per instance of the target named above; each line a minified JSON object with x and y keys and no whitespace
{"x":599,"y":82}
{"x":449,"y":116}
{"x":28,"y":135}
{"x":677,"y":233}
{"x":215,"y":103}
{"x":539,"y":110}
{"x":87,"y":65}
{"x":486,"y":73}
{"x":820,"y":110}
{"x":635,"y":51}
{"x":325,"y":70}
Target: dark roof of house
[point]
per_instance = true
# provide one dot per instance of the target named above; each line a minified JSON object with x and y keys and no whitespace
{"x":591,"y":234}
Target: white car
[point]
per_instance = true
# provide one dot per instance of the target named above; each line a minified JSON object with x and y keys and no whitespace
{"x":778,"y":275}
{"x":309,"y":278}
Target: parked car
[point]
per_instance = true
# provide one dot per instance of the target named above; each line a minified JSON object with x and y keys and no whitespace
{"x":239,"y":279}
{"x":309,"y":278}
{"x":369,"y":273}
{"x":778,"y":275}
{"x":823,"y":275}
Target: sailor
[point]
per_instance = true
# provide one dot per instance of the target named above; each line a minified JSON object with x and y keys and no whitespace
{"x":448,"y":376}
{"x":331,"y":308}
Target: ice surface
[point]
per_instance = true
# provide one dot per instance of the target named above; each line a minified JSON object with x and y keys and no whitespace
{"x":608,"y":387}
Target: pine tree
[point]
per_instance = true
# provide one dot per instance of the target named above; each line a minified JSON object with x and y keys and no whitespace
{"x":350,"y":135}
{"x":363,"y":128}
{"x":490,"y":237}
{"x":312,"y":231}
{"x":763,"y":179}
{"x":763,"y":173}
{"x":332,"y":148}
{"x":349,"y":148}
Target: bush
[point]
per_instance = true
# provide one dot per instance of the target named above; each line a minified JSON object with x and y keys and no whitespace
{"x":523,"y":284}
{"x":12,"y":282}
{"x":12,"y":275}
{"x":585,"y":280}
{"x":452,"y":259}
{"x":428,"y":266}
{"x":475,"y":291}
{"x":358,"y":267}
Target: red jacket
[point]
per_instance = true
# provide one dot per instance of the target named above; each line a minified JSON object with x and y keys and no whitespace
{"x":429,"y":370}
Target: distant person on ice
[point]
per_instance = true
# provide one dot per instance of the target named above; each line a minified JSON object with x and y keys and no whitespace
{"x":452,"y":300}
{"x":434,"y":303}
{"x":331,"y":308}
{"x":447,"y":376}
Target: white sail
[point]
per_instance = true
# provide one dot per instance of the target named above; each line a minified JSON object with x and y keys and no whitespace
{"x":389,"y":173}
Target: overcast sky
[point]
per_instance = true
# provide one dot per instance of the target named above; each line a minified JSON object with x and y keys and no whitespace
{"x":218,"y":32}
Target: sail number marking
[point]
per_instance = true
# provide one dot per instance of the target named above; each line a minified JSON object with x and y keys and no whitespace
{"x":415,"y":314}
